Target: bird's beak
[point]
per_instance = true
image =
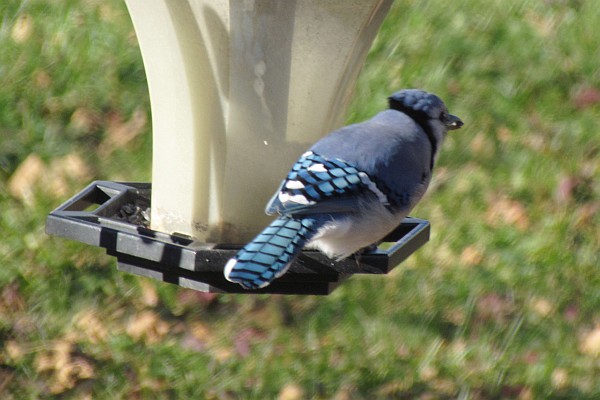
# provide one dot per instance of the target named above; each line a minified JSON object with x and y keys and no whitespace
{"x":452,"y":122}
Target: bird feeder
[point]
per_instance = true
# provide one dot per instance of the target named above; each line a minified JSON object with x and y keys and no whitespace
{"x":238,"y":91}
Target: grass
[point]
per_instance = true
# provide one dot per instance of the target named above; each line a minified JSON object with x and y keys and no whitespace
{"x":502,"y":303}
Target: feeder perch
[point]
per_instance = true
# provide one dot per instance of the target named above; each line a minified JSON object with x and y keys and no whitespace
{"x":238,"y":91}
{"x":111,"y":215}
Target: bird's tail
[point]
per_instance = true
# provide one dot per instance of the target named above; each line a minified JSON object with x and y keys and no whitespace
{"x":270,"y":254}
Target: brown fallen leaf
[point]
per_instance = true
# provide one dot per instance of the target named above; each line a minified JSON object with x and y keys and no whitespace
{"x":494,"y":307}
{"x":190,"y":342}
{"x":344,"y":393}
{"x":42,"y":79}
{"x":66,"y":366}
{"x":504,"y":134}
{"x":481,"y":145}
{"x":201,"y":332}
{"x":24,"y":180}
{"x":530,"y":357}
{"x":22,"y":29}
{"x":244,"y":339}
{"x":589,"y":342}
{"x":148,"y":327}
{"x":11,"y":299}
{"x":560,"y":378}
{"x":189,"y":300}
{"x":119,"y":133}
{"x":222,"y":354}
{"x":85,"y":120}
{"x":291,"y":391}
{"x":471,"y":256}
{"x":544,"y":25}
{"x":541,"y":306}
{"x":14,"y":350}
{"x":586,"y":96}
{"x":571,"y":313}
{"x":77,"y":369}
{"x":524,"y":393}
{"x":564,"y":191}
{"x":107,"y":13}
{"x":56,"y":180}
{"x":585,"y":214}
{"x":90,"y":327}
{"x":506,"y":211}
{"x":64,"y":174}
{"x":149,"y":295}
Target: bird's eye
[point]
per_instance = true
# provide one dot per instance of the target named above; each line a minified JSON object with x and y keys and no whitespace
{"x":443,"y":116}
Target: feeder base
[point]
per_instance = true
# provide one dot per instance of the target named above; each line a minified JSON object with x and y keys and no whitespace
{"x":114,"y":216}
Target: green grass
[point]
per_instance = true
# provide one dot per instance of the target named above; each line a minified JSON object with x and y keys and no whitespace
{"x":503,"y":302}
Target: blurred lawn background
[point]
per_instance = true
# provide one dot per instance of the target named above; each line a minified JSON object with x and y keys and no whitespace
{"x":503,"y":303}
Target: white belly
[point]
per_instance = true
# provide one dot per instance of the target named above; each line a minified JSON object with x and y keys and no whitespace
{"x":341,"y":238}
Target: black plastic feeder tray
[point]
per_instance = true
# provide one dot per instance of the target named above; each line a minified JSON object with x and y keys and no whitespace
{"x":115,"y":216}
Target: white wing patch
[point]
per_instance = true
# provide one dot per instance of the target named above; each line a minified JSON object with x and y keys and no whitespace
{"x":317,"y":168}
{"x":364,"y":178}
{"x":298,"y":198}
{"x":294,"y":185}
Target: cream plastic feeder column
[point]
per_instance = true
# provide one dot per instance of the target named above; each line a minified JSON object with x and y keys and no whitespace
{"x":239,"y":90}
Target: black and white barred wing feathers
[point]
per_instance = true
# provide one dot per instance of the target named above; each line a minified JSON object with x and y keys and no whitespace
{"x":319,"y":185}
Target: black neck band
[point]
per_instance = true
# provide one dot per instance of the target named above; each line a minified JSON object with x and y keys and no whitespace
{"x":421,"y":119}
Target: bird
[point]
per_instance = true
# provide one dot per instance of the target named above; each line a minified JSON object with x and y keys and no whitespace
{"x":350,"y":189}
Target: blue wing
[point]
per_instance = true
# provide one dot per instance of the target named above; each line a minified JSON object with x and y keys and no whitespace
{"x":318,"y":185}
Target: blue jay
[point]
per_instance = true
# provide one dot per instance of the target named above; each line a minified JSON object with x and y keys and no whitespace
{"x":350,"y":189}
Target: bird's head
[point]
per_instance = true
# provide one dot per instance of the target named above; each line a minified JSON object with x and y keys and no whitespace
{"x":425,"y":107}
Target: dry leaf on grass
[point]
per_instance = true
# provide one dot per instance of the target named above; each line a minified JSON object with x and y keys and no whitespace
{"x":585,"y":214}
{"x":585,"y":97}
{"x":544,"y":25}
{"x":471,"y":256}
{"x":149,"y":295}
{"x":589,"y":342}
{"x":504,"y":134}
{"x":55,"y":180}
{"x":245,"y":338}
{"x":85,"y":120}
{"x":494,"y":307}
{"x":11,"y":299}
{"x":542,"y":307}
{"x":190,"y":342}
{"x":65,"y":172}
{"x":482,"y":146}
{"x":189,"y":300}
{"x":222,"y":354}
{"x":65,"y":365}
{"x":291,"y":391}
{"x":14,"y":350}
{"x":560,"y":378}
{"x":507,"y":211}
{"x":26,"y":177}
{"x":90,"y":327}
{"x":119,"y":133}
{"x":22,"y":29}
{"x":42,"y":79}
{"x":147,"y":326}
